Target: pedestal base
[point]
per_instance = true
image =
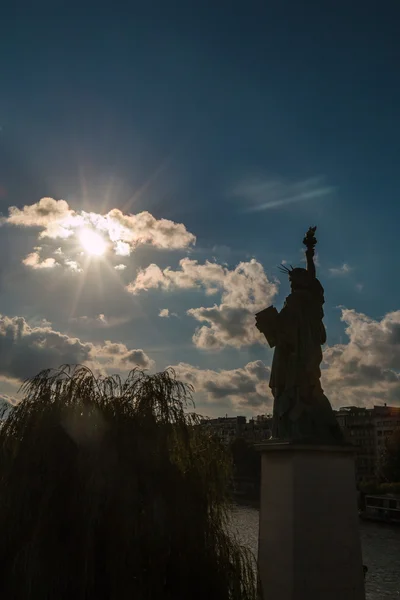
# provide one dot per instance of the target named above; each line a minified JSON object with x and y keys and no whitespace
{"x":309,"y":542}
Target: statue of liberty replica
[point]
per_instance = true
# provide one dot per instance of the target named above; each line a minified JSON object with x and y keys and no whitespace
{"x":302,"y":412}
{"x":308,"y":506}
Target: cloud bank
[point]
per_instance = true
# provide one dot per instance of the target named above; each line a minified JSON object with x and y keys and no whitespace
{"x":244,"y":290}
{"x":366,"y":370}
{"x":26,"y":350}
{"x":363,"y":372}
{"x":123,"y":232}
{"x":244,"y":388}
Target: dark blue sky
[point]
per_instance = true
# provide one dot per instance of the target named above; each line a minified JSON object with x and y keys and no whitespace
{"x":172,"y":107}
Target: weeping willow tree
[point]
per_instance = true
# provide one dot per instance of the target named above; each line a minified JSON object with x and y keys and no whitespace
{"x":110,"y":490}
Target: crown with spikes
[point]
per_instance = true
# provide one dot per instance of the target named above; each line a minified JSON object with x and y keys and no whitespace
{"x":284,"y":269}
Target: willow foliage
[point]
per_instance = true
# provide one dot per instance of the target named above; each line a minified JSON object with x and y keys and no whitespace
{"x":110,"y":490}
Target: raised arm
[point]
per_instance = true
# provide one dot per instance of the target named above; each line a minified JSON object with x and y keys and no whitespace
{"x":309,"y":242}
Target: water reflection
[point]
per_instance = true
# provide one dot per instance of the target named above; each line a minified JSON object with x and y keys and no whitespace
{"x":380,"y":545}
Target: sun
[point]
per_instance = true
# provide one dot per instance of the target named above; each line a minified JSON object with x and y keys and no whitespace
{"x":92,"y":242}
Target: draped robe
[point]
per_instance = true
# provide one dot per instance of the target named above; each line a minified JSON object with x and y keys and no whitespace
{"x":301,"y":410}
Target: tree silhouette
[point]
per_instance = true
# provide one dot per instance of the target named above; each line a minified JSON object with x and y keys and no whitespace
{"x":108,"y":490}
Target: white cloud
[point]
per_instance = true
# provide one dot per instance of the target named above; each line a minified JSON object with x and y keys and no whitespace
{"x":244,"y":291}
{"x":142,"y":228}
{"x":344,"y":269}
{"x":120,"y":267}
{"x":363,"y":372}
{"x":117,"y":355}
{"x":243,"y":387}
{"x":275,"y":193}
{"x":73,"y":266}
{"x":164,"y":312}
{"x":151,"y":277}
{"x":56,"y":220}
{"x":34,"y":262}
{"x":53,"y":217}
{"x":122,"y":248}
{"x":25,"y":350}
{"x":367,"y":368}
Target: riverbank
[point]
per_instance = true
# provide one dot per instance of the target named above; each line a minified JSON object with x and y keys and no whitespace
{"x":380,"y":548}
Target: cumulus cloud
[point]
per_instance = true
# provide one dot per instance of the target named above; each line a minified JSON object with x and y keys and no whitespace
{"x":25,"y":350}
{"x":344,"y":269}
{"x":124,"y":232}
{"x":34,"y":261}
{"x":243,"y":388}
{"x":367,"y":368}
{"x":166,"y":314}
{"x":142,"y":228}
{"x":150,"y":277}
{"x":362,"y":372}
{"x":117,"y":355}
{"x":73,"y":266}
{"x":120,"y":267}
{"x":53,"y":217}
{"x":122,"y":248}
{"x":275,"y":193}
{"x":244,"y":291}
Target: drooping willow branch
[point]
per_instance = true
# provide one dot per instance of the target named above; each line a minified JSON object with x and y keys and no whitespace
{"x":109,"y":488}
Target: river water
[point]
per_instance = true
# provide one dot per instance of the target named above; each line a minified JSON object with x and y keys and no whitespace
{"x":380,"y":546}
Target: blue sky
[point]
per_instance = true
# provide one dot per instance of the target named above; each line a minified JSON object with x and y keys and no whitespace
{"x":239,"y":124}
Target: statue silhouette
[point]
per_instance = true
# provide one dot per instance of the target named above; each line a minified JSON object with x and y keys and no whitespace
{"x":301,"y":412}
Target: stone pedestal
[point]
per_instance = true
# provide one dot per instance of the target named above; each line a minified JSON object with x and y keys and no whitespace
{"x":309,"y":541}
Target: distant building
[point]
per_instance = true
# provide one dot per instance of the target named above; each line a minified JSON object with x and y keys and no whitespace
{"x":226,"y":428}
{"x":387,"y":420}
{"x":259,"y":429}
{"x":358,"y":427}
{"x":368,"y":429}
{"x":229,"y":428}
